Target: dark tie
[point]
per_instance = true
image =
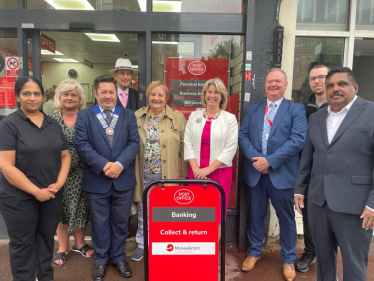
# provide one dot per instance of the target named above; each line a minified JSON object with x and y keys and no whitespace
{"x":108,"y":116}
{"x":108,"y":119}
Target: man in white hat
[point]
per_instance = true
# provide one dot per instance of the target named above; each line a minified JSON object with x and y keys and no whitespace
{"x":127,"y":97}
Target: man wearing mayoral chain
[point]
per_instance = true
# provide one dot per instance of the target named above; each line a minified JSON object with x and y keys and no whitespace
{"x":107,"y":140}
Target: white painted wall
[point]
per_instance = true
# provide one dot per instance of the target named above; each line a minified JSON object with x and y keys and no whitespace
{"x":287,"y":19}
{"x":55,"y":72}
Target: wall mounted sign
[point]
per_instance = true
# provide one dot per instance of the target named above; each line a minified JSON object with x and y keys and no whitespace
{"x":12,"y":66}
{"x":7,"y":94}
{"x":248,"y":75}
{"x":47,"y":43}
{"x":186,"y":76}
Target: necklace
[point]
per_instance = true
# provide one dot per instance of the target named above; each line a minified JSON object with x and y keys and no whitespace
{"x":214,"y":118}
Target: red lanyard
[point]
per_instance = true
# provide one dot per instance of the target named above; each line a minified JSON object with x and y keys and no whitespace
{"x":266,"y":114}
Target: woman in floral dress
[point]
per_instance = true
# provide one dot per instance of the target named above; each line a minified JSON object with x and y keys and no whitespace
{"x":69,"y":99}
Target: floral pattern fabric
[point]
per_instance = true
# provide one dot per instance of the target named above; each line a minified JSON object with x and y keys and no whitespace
{"x":152,"y":152}
{"x":74,"y":207}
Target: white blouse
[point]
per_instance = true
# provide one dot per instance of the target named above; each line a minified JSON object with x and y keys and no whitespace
{"x":223,"y":137}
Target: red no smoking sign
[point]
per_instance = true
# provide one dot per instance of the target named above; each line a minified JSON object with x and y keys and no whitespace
{"x":12,"y":66}
{"x":183,"y":227}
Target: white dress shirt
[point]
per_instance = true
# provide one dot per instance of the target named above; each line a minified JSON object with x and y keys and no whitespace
{"x":334,"y":120}
{"x":277,"y":103}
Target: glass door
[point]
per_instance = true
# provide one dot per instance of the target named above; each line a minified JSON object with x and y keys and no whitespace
{"x":84,"y":56}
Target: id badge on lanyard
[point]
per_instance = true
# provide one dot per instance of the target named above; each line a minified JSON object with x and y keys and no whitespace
{"x":270,"y":122}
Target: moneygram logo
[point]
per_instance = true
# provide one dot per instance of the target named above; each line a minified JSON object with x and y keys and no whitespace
{"x":184,"y":196}
{"x":169,"y":248}
{"x":184,"y":248}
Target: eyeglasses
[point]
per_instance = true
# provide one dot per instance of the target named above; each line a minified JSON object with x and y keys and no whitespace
{"x":320,"y":78}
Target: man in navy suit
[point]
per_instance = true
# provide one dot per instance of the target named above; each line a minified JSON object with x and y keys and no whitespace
{"x":107,"y":139}
{"x":271,"y":136}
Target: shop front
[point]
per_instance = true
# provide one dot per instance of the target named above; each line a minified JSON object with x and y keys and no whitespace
{"x":181,"y":43}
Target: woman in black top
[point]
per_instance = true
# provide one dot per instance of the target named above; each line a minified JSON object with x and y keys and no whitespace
{"x":35,"y":161}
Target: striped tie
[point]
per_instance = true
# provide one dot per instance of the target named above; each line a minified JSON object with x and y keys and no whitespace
{"x":108,"y":119}
{"x":267,"y":127}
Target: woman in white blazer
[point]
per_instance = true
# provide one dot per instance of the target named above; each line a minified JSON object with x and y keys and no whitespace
{"x":211,"y":137}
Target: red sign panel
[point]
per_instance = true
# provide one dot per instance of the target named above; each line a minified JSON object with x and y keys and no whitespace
{"x":48,"y":43}
{"x":185,"y":78}
{"x":183,"y":233}
{"x":248,"y":75}
{"x":7,"y":94}
{"x":197,"y":67}
{"x":12,"y":66}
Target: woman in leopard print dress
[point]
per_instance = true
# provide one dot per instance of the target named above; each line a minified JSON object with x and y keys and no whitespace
{"x":69,"y":99}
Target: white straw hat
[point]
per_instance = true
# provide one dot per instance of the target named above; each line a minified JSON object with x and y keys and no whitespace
{"x":123,"y":64}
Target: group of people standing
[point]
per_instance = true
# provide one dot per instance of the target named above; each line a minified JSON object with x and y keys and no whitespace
{"x":98,"y":162}
{"x":331,"y":186}
{"x":80,"y":164}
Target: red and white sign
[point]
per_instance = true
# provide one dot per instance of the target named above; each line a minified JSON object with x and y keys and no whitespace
{"x":197,"y":68}
{"x":7,"y":94}
{"x":184,"y":196}
{"x":12,"y":66}
{"x":248,"y":75}
{"x":183,"y":233}
{"x":186,"y":77}
{"x":48,"y":43}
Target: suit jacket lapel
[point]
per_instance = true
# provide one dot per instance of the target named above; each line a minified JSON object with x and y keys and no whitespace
{"x":285,"y":104}
{"x":119,"y":103}
{"x":117,"y":129}
{"x":129,"y":100}
{"x":353,"y":113}
{"x":261,"y":118}
{"x":101,"y":130}
{"x":322,"y":124}
{"x":133,"y":99}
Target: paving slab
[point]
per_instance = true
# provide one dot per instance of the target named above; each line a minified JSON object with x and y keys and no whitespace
{"x":268,"y":268}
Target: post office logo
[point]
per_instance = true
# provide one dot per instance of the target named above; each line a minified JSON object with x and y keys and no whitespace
{"x":184,"y":196}
{"x":197,"y":67}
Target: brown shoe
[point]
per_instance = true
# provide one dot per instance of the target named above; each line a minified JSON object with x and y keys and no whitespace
{"x":289,"y":273}
{"x":249,"y":263}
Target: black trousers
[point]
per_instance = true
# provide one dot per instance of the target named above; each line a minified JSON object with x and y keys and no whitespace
{"x":31,"y":228}
{"x":308,"y":240}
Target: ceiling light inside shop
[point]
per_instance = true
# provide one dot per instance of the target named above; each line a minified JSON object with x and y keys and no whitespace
{"x":165,"y":42}
{"x":70,"y":4}
{"x":65,"y":60}
{"x":103,"y":37}
{"x":46,"y":52}
{"x":167,"y":6}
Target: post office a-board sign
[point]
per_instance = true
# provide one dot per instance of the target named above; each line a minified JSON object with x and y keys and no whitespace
{"x":183,"y":233}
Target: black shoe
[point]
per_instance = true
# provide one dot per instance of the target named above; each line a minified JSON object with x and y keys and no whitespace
{"x":305,"y":261}
{"x":124,"y":269}
{"x":99,"y":272}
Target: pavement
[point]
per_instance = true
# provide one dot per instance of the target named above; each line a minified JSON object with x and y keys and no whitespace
{"x":269,"y":268}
